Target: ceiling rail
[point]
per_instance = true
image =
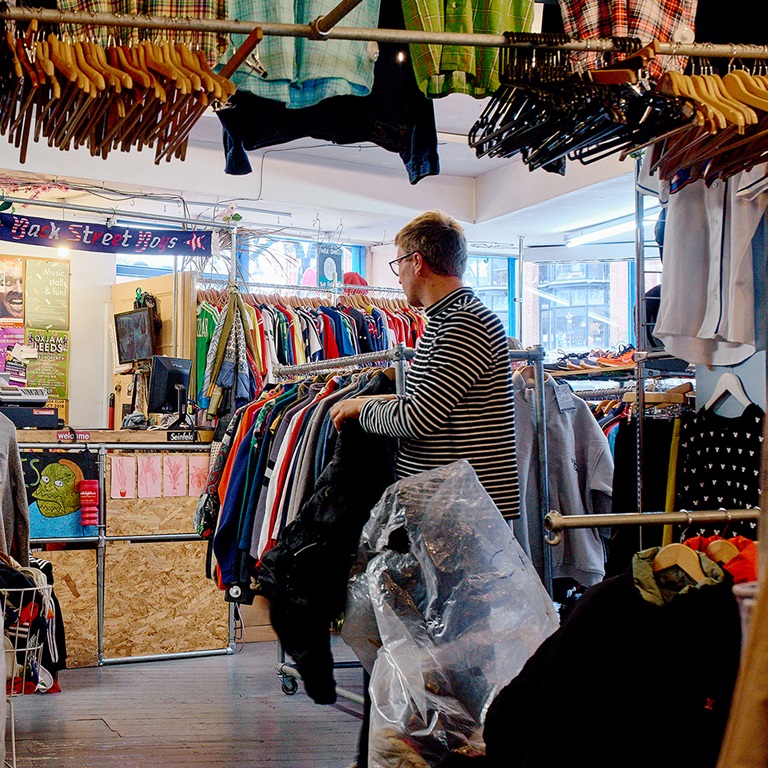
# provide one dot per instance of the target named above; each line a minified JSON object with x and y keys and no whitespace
{"x":358,"y":33}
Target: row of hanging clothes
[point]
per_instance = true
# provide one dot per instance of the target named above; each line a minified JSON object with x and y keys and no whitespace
{"x":252,"y":333}
{"x":73,"y":92}
{"x":692,"y":459}
{"x":284,"y":505}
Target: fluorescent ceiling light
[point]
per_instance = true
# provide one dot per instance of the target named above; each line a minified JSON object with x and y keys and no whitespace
{"x":608,"y":231}
{"x":549,"y":296}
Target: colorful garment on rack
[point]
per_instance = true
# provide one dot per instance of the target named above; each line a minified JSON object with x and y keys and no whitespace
{"x":323,"y":540}
{"x":300,"y":72}
{"x":662,"y":20}
{"x":395,"y":115}
{"x":214,"y":45}
{"x":266,"y":470}
{"x":444,"y":69}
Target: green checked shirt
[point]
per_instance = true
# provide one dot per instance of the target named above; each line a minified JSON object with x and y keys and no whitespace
{"x":444,"y":69}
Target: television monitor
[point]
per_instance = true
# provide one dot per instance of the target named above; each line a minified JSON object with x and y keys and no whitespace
{"x":134,"y":334}
{"x":168,"y":386}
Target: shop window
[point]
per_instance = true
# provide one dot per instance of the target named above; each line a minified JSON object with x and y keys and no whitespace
{"x":578,"y":306}
{"x":260,"y":260}
{"x":491,"y":278}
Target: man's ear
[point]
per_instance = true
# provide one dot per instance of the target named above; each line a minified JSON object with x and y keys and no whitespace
{"x":420,"y":266}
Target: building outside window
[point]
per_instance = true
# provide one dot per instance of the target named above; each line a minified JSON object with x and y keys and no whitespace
{"x":491,"y":278}
{"x":578,"y":306}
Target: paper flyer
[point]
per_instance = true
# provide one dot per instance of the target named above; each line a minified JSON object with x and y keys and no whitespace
{"x":46,"y":294}
{"x":51,"y":367}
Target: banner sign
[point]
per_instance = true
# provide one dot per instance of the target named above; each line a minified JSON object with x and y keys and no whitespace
{"x":101,"y":238}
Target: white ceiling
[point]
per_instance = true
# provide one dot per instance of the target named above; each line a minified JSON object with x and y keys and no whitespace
{"x":358,"y":192}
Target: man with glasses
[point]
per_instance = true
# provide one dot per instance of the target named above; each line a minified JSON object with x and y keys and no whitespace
{"x":459,"y":402}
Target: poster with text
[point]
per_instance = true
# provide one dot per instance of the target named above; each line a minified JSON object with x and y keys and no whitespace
{"x":11,"y":290}
{"x":46,"y":294}
{"x":10,"y":336}
{"x":53,"y":494}
{"x":50,"y":369}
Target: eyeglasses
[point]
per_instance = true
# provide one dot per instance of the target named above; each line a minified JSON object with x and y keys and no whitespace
{"x":394,"y":265}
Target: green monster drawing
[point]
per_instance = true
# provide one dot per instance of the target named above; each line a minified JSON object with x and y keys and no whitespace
{"x":55,"y":493}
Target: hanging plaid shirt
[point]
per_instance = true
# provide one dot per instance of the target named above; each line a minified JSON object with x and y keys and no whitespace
{"x":441,"y":70}
{"x":662,"y":20}
{"x":302,"y":72}
{"x":214,"y":45}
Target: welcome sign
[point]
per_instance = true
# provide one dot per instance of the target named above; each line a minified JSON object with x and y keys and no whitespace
{"x":102,"y":238}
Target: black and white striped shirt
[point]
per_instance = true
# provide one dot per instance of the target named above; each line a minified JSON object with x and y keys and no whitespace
{"x":459,"y":402}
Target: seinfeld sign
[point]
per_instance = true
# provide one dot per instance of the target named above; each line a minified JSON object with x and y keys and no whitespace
{"x":101,"y":238}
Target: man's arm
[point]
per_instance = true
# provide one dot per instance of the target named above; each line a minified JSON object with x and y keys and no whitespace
{"x":457,"y":357}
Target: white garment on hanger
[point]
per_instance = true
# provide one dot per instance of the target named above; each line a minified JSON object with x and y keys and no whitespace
{"x":707,"y":300}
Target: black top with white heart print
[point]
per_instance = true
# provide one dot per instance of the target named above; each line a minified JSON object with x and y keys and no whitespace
{"x":718,"y":465}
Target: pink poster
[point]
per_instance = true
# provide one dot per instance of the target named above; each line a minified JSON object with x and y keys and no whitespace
{"x":11,"y":337}
{"x":150,"y":472}
{"x":123,"y":477}
{"x":198,"y":473}
{"x":174,"y":475}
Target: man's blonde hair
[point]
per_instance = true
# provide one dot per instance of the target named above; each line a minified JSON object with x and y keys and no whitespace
{"x":439,"y":239}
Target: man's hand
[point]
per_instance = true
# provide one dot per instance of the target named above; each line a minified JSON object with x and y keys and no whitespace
{"x":346,"y":409}
{"x":351,"y":407}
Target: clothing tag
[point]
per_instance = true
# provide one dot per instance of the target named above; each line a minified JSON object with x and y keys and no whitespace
{"x":564,"y":397}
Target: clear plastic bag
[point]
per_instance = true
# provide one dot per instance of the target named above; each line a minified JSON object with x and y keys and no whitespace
{"x":443,"y":609}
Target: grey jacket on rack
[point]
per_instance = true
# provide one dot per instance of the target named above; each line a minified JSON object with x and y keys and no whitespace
{"x":580,"y":474}
{"x":14,"y":532}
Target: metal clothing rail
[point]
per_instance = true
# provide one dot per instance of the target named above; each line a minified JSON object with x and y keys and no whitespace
{"x":555,"y":522}
{"x":358,"y":33}
{"x":604,"y":393}
{"x":398,"y":355}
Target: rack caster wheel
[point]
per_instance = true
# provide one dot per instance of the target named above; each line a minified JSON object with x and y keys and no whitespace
{"x":289,"y":685}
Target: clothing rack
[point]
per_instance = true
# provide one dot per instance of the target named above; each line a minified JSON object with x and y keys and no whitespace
{"x":555,"y":522}
{"x":313,"y":31}
{"x":398,"y":355}
{"x":336,"y":289}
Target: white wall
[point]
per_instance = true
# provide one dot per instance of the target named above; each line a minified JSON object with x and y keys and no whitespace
{"x":91,"y":278}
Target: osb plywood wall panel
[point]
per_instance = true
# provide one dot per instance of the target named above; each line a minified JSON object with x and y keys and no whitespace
{"x":159,"y":601}
{"x":168,"y":514}
{"x":74,"y":574}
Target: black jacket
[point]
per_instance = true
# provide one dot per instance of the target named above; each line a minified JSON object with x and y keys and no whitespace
{"x":624,"y":682}
{"x":305,"y":574}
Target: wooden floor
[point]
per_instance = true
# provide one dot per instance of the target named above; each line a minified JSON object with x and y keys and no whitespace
{"x":226,"y":711}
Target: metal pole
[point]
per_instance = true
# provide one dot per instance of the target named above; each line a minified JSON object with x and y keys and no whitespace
{"x":639,"y":330}
{"x":323,"y":24}
{"x":554,"y":521}
{"x":357,"y":33}
{"x":540,"y":417}
{"x":100,"y":555}
{"x":400,"y":369}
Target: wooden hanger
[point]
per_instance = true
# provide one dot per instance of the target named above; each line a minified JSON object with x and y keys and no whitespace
{"x":675,"y":396}
{"x":682,"y":556}
{"x":721,"y":551}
